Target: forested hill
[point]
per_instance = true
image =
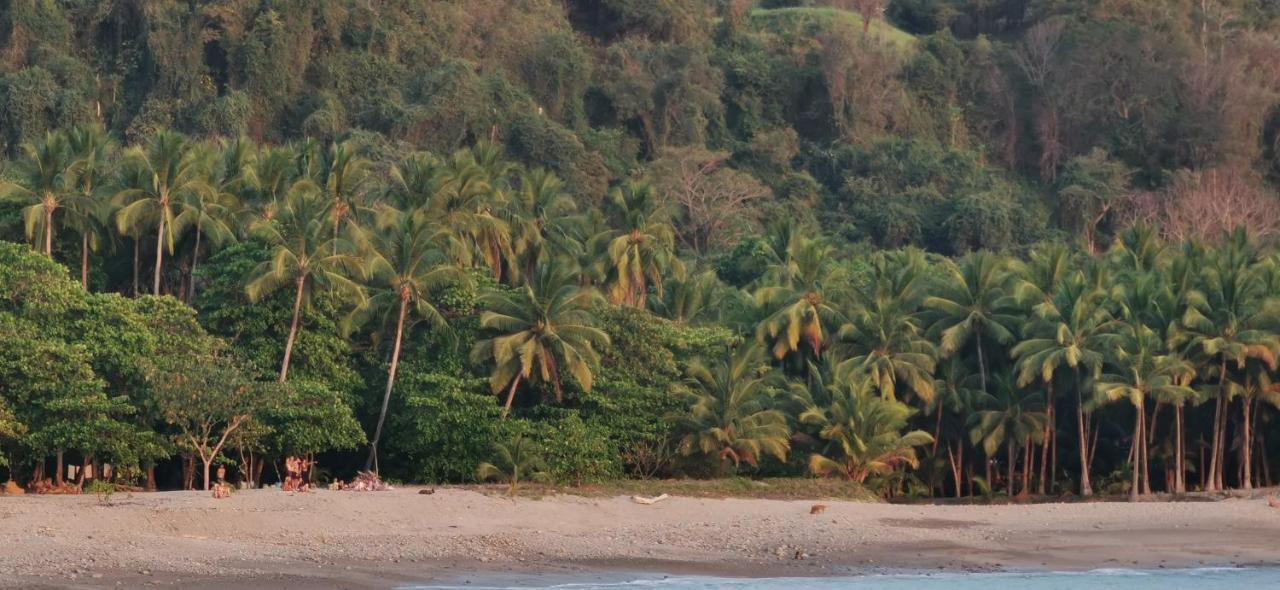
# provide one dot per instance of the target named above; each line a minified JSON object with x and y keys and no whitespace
{"x":928,"y":246}
{"x":948,"y":124}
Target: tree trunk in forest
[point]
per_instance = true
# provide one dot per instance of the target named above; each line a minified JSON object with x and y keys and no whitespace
{"x":1013,"y":458}
{"x":60,"y":473}
{"x":1086,"y":490}
{"x":84,"y":261}
{"x":1028,"y":465}
{"x":511,"y":396}
{"x":206,"y":463}
{"x":151,"y":478}
{"x":136,"y":248}
{"x":391,"y":381}
{"x":293,"y":329}
{"x":1136,"y":454}
{"x":1214,"y":465}
{"x":982,"y":363}
{"x":1049,"y":434}
{"x":957,"y":466}
{"x":195,"y":257}
{"x":48,"y":231}
{"x":1246,"y":449}
{"x":159,"y":255}
{"x":1179,"y":468}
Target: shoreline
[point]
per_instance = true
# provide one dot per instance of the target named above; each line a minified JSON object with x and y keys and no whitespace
{"x":272,"y":539}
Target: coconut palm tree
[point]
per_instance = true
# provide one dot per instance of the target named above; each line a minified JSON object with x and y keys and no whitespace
{"x":974,"y":301}
{"x":407,"y":266}
{"x":541,"y":216}
{"x":514,"y":461}
{"x":1141,"y":372}
{"x":731,"y":413}
{"x":306,"y":256}
{"x":863,"y":430}
{"x":540,"y":329}
{"x":695,"y":299}
{"x":212,"y":213}
{"x":1010,"y":416}
{"x":1225,"y":323}
{"x":44,"y":185}
{"x":345,"y":180}
{"x":1071,"y":330}
{"x":801,"y":300}
{"x":884,"y":332}
{"x":464,"y":199}
{"x":91,"y":170}
{"x":159,"y":179}
{"x":640,"y":245}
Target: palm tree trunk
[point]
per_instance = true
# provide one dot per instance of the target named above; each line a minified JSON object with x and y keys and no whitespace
{"x":1135,"y":455}
{"x":1179,"y":470}
{"x":1028,"y":465}
{"x":62,"y":469}
{"x":1086,"y":490}
{"x":84,"y":261}
{"x":1013,"y":458}
{"x":159,"y":254}
{"x":48,"y":232}
{"x":1146,"y":448}
{"x":195,"y":257}
{"x":982,"y":362}
{"x":1048,"y":438}
{"x":511,"y":396}
{"x":1214,"y":467}
{"x":136,"y":247}
{"x":293,"y":330}
{"x":391,"y":381}
{"x":1246,"y":450}
{"x":957,"y":462}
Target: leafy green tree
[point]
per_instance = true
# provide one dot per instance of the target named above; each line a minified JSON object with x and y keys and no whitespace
{"x":539,"y":330}
{"x":731,"y":414}
{"x":305,"y":257}
{"x":864,"y":432}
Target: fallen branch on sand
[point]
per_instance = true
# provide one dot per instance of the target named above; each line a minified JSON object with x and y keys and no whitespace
{"x":649,"y":500}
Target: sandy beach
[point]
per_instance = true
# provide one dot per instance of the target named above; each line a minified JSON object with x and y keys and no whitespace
{"x":324,"y":539}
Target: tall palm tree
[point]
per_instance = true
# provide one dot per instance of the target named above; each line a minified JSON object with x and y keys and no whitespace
{"x":801,"y":300}
{"x":159,"y":178}
{"x":306,"y":256}
{"x":464,"y":199}
{"x":1071,"y":330}
{"x":864,"y":432}
{"x":974,"y":301}
{"x":1225,"y":323}
{"x":541,"y":216}
{"x":212,"y":213}
{"x":731,"y":413}
{"x":1011,"y":416}
{"x":44,"y":185}
{"x":407,"y":266}
{"x":640,"y":244}
{"x":345,"y":180}
{"x":540,"y":329}
{"x":695,"y":299}
{"x":1141,"y":373}
{"x":884,"y":331}
{"x":91,"y":152}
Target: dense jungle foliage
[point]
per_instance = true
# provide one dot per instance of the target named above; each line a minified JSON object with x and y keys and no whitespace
{"x":933,"y":247}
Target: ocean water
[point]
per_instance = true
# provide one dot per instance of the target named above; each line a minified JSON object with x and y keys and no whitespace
{"x":1188,"y":579}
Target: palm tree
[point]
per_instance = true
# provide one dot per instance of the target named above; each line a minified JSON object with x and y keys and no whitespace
{"x":1010,"y":416}
{"x":640,"y":246}
{"x":731,"y":414}
{"x":513,"y":461}
{"x":1225,"y":323}
{"x":973,"y":301}
{"x":406,"y":266}
{"x":801,"y":300}
{"x":159,"y":178}
{"x":1142,"y":372}
{"x":1070,"y":330}
{"x":541,"y":215}
{"x":44,"y":185}
{"x":212,"y":213}
{"x":303,"y":255}
{"x":541,"y":328}
{"x":90,"y":149}
{"x":694,"y":299}
{"x":464,"y":199}
{"x":864,"y":432}
{"x":884,"y":332}
{"x":344,"y":183}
